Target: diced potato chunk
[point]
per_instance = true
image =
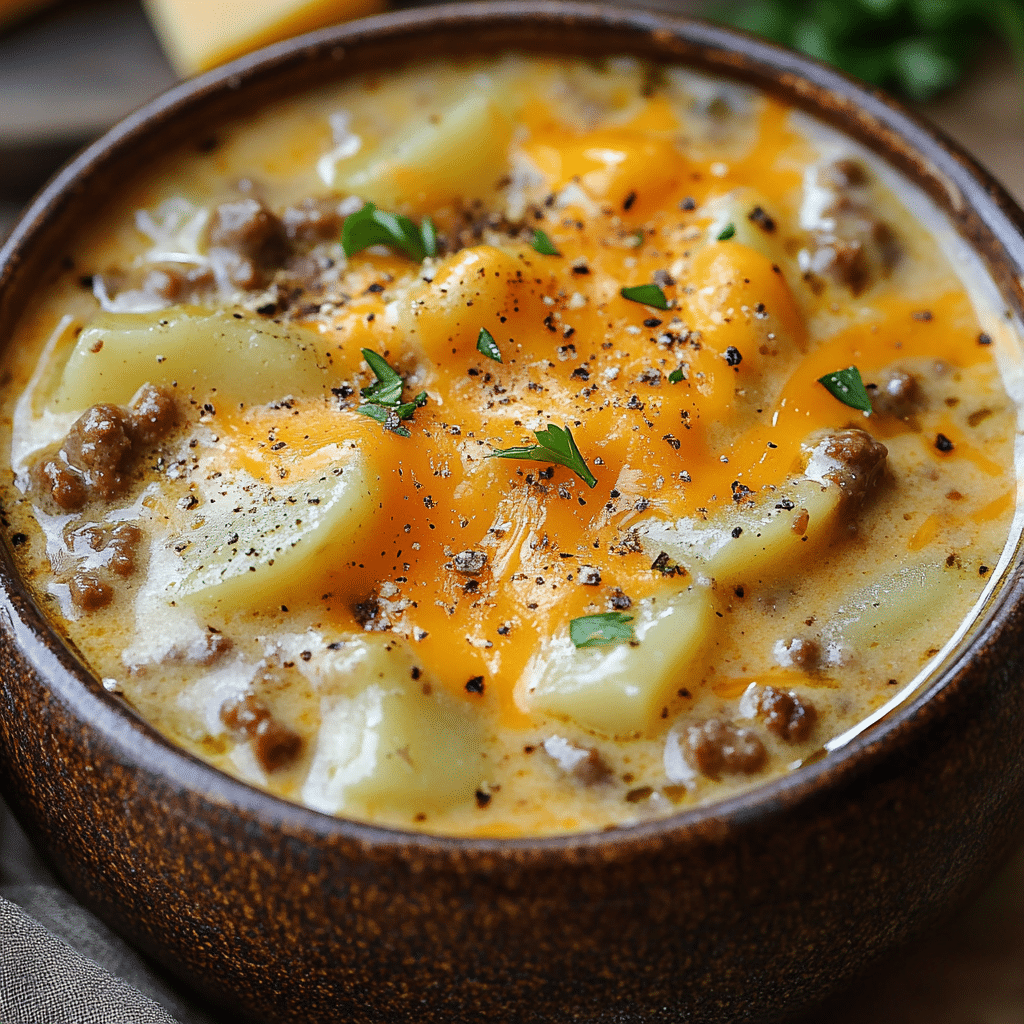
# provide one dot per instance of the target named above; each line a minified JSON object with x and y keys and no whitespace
{"x":235,"y":356}
{"x":620,"y":690}
{"x":764,"y":534}
{"x":256,"y":542}
{"x":755,"y":540}
{"x":896,"y":606}
{"x":389,"y":742}
{"x":461,"y":154}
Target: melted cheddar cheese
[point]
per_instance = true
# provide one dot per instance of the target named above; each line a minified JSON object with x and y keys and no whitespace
{"x":379,"y":622}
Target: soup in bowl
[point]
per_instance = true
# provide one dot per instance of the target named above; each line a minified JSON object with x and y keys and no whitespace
{"x":509,"y":469}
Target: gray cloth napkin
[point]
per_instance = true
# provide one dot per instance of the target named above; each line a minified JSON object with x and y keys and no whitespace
{"x":60,"y":965}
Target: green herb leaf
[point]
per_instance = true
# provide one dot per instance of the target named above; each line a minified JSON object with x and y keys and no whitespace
{"x":406,"y":409}
{"x":429,"y":235}
{"x":387,"y":416}
{"x":543,"y":244}
{"x":556,"y":445}
{"x":384,"y":398}
{"x":920,"y":47}
{"x":601,"y":630}
{"x":727,"y":232}
{"x":648,"y":294}
{"x":486,"y":345}
{"x":848,"y":387}
{"x":370,"y":226}
{"x":388,"y":388}
{"x":676,"y":376}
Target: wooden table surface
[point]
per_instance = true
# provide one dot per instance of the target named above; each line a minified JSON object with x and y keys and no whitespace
{"x":65,"y":75}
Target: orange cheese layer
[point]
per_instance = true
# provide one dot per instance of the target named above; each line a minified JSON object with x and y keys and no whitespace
{"x":664,"y":449}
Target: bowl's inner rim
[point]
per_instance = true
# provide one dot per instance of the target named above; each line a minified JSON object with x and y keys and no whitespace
{"x":976,"y":206}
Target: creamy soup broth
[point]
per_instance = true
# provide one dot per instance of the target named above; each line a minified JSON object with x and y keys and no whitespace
{"x":518,"y":506}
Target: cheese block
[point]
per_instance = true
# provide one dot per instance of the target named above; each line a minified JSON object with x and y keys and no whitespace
{"x":198,"y":35}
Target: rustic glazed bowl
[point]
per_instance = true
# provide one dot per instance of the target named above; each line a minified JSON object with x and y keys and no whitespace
{"x":743,"y":911}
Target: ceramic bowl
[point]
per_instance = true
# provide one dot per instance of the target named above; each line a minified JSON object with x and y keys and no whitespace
{"x":743,"y":911}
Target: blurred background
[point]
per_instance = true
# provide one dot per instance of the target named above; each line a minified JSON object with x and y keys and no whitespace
{"x":70,"y":68}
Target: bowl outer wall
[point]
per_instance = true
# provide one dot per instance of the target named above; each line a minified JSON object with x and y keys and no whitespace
{"x":742,"y":911}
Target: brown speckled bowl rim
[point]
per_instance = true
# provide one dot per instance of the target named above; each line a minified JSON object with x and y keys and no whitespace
{"x":979,"y":207}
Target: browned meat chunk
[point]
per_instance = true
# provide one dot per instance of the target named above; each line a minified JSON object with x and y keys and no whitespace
{"x":899,"y":394}
{"x":120,"y":542}
{"x":786,"y":714}
{"x":89,"y":592}
{"x":99,"y":453}
{"x":168,"y":285}
{"x":855,"y":461}
{"x":247,"y":241}
{"x":123,"y":545}
{"x":154,"y":414}
{"x":313,"y":220}
{"x":803,"y":653}
{"x":274,"y":744}
{"x":201,"y":652}
{"x":843,"y":173}
{"x":716,"y":747}
{"x":99,"y":444}
{"x":583,"y":765}
{"x":214,"y":647}
{"x":57,"y":479}
{"x":593,"y":770}
{"x":850,"y":244}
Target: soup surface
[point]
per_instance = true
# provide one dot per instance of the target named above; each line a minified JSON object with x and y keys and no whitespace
{"x":517,"y":447}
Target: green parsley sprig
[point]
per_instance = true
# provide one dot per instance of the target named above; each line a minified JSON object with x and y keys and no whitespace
{"x":848,"y":386}
{"x":370,"y":226}
{"x":917,"y":47}
{"x":487,"y":346}
{"x":556,"y":445}
{"x":648,"y":294}
{"x":383,"y":399}
{"x":601,"y":630}
{"x":543,"y":244}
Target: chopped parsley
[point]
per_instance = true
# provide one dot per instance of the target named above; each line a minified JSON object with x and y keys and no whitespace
{"x":556,"y":445}
{"x":848,"y":387}
{"x":486,"y":345}
{"x":727,"y":232}
{"x":543,"y":244}
{"x":648,"y":294}
{"x":676,"y":376}
{"x":601,"y":630}
{"x":920,"y":47}
{"x":383,"y":399}
{"x":370,"y":226}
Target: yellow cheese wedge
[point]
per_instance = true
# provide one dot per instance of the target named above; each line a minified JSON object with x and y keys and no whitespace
{"x":198,"y":35}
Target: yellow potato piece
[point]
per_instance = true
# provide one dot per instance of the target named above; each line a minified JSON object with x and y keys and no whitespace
{"x":391,"y":743}
{"x":754,"y":541}
{"x":461,"y":155}
{"x":896,"y":606}
{"x":620,"y":690}
{"x":232,"y":356}
{"x":253,"y":542}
